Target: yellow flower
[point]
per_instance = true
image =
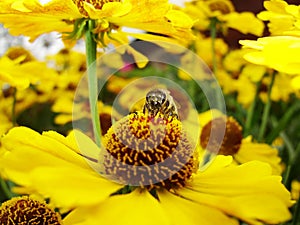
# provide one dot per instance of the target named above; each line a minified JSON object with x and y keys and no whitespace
{"x":284,"y":18}
{"x":204,"y":10}
{"x":19,"y":69}
{"x":116,"y":83}
{"x":236,"y":75}
{"x":6,"y":123}
{"x":235,"y":63}
{"x":282,"y":88}
{"x":31,"y":18}
{"x":237,"y":21}
{"x":278,"y":52}
{"x":245,"y":89}
{"x":242,"y":149}
{"x":69,"y":112}
{"x":251,"y":150}
{"x":203,"y":48}
{"x":295,"y":189}
{"x":65,"y":170}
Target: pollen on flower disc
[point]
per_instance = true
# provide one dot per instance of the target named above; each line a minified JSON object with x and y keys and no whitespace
{"x":24,"y":211}
{"x":229,"y":143}
{"x":148,"y":152}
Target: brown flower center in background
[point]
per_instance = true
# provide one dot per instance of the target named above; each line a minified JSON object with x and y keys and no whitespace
{"x":149,"y":152}
{"x":98,"y":4}
{"x":105,"y":122}
{"x":16,"y":52}
{"x":25,"y":211}
{"x":224,"y":6}
{"x":229,"y":144}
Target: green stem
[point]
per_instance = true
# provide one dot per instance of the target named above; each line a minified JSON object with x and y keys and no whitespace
{"x":91,"y":54}
{"x":213,"y":35}
{"x":250,"y":112}
{"x":292,"y":154}
{"x":287,"y":175}
{"x":282,"y":123}
{"x":289,"y":146}
{"x":6,"y":189}
{"x":266,"y":111}
{"x":296,"y":213}
{"x":13,"y":108}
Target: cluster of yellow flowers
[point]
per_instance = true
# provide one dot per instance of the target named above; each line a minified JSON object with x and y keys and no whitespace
{"x":82,"y":143}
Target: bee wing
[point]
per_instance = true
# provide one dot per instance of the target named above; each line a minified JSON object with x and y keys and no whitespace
{"x":177,"y":104}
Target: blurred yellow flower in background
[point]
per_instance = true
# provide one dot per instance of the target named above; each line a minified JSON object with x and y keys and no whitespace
{"x":279,"y":53}
{"x":284,"y":19}
{"x":20,"y":70}
{"x":203,"y":46}
{"x":204,"y":10}
{"x":241,"y":149}
{"x":276,"y":52}
{"x":295,"y":189}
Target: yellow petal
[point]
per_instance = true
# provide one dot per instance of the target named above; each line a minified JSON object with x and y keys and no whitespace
{"x":209,"y":115}
{"x":259,"y":151}
{"x":19,"y":5}
{"x":29,"y":17}
{"x":140,"y":59}
{"x":248,"y":192}
{"x":183,"y":211}
{"x":21,"y":138}
{"x":237,"y":20}
{"x":138,"y":207}
{"x":254,"y":72}
{"x":71,"y":187}
{"x":296,"y":83}
{"x":218,"y":163}
{"x":254,"y":209}
{"x":46,"y":164}
{"x":79,"y":141}
{"x":179,"y":19}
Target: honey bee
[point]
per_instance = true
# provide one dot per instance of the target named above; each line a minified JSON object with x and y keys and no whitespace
{"x":160,"y":101}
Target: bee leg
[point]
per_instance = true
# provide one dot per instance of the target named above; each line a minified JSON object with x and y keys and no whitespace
{"x":144,"y":109}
